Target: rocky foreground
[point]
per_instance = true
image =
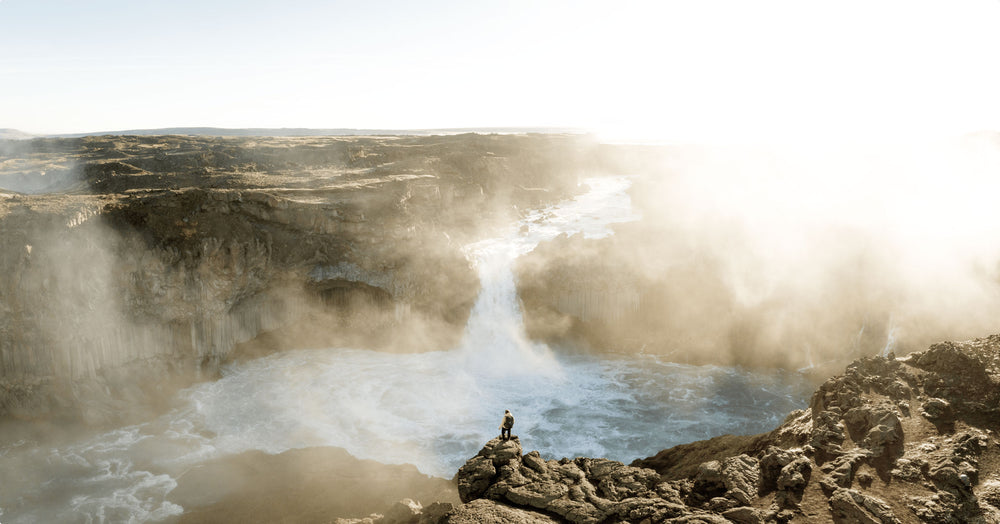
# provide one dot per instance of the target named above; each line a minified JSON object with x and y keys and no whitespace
{"x":892,"y":440}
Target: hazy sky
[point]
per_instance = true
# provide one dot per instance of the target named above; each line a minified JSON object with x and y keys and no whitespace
{"x":692,"y":70}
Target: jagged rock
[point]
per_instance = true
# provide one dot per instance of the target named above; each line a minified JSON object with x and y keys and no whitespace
{"x":795,"y":475}
{"x":484,"y":511}
{"x":735,"y":477}
{"x":937,"y":410}
{"x":850,"y":506}
{"x":865,"y":479}
{"x":909,"y":469}
{"x":875,"y":427}
{"x":786,"y":471}
{"x":615,"y":481}
{"x":841,"y":470}
{"x":939,"y":508}
{"x":950,"y":358}
{"x":669,"y":492}
{"x":474,"y":478}
{"x":947,"y":472}
{"x":534,"y":461}
{"x":746,"y":515}
{"x":740,"y":475}
{"x":655,"y":510}
{"x":536,"y":494}
{"x":720,"y":504}
{"x":963,"y":374}
{"x":708,"y":482}
{"x":828,"y":432}
{"x":771,"y":464}
{"x":709,"y":474}
{"x":502,"y":451}
{"x":899,"y":391}
{"x":989,"y":492}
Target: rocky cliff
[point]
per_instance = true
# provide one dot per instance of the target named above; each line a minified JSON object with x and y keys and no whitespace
{"x":129,"y":262}
{"x":891,"y":440}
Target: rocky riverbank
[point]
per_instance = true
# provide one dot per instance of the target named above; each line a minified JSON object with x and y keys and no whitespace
{"x":891,"y":440}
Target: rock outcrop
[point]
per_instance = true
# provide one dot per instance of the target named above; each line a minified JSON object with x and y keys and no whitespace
{"x":862,"y":453}
{"x":581,"y":490}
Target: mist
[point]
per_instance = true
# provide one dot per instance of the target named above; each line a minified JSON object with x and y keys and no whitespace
{"x":814,"y":254}
{"x":275,"y":294}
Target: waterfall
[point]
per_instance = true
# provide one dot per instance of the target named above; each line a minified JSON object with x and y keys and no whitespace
{"x":495,"y":339}
{"x":433,"y":410}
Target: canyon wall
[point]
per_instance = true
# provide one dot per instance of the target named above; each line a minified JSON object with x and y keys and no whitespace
{"x":132,"y":265}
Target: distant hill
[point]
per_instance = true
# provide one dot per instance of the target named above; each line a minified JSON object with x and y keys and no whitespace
{"x":13,"y":134}
{"x":300,"y":131}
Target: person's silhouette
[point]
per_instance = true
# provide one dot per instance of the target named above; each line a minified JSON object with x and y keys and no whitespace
{"x":508,"y":422}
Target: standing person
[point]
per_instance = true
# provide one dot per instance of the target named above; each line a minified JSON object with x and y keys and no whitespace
{"x":508,"y":422}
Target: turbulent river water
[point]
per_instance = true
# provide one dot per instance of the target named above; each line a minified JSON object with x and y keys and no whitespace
{"x":434,"y":410}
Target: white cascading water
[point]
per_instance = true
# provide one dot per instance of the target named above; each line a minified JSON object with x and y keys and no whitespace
{"x":434,"y":410}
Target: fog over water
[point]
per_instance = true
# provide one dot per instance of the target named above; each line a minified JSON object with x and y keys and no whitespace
{"x":434,"y":410}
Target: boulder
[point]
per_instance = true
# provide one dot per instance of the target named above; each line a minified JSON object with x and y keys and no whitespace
{"x":745,"y":515}
{"x":740,"y":475}
{"x":795,"y":475}
{"x":851,"y":506}
{"x":841,"y":470}
{"x":474,"y":478}
{"x":937,"y":410}
{"x":771,"y":464}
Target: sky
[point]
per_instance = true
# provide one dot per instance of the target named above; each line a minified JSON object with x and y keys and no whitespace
{"x":705,"y":71}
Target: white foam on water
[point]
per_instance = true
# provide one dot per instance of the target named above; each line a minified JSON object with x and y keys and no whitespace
{"x":429,"y":410}
{"x":91,"y":481}
{"x":433,"y":410}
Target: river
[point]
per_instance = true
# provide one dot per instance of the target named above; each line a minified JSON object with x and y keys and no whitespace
{"x":433,"y":410}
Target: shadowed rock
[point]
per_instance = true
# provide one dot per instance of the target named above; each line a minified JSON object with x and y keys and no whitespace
{"x":851,"y":507}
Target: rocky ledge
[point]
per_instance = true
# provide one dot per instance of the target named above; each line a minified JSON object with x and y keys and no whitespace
{"x":891,"y":440}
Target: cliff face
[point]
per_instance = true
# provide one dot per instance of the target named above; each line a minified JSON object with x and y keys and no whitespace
{"x":889,"y":441}
{"x":131,"y":261}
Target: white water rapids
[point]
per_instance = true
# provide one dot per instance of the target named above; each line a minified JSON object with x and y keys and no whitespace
{"x":434,"y":410}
